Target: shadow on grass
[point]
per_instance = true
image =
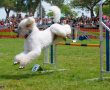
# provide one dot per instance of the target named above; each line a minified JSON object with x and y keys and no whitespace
{"x":23,"y":76}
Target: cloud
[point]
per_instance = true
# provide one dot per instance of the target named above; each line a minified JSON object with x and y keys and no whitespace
{"x":2,"y":13}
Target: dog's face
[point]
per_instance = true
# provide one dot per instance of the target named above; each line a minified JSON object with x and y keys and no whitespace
{"x":25,"y":26}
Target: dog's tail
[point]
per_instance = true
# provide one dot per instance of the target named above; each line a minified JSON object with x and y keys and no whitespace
{"x":61,"y":30}
{"x":56,"y":14}
{"x":57,"y":29}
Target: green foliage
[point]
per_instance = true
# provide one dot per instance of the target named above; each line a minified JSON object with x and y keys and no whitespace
{"x":7,"y":3}
{"x":19,"y":6}
{"x":107,"y":2}
{"x":105,"y":9}
{"x":30,"y":7}
{"x":87,"y":4}
{"x":67,"y":11}
{"x":56,"y":2}
{"x":65,"y":8}
{"x":84,"y":3}
{"x":50,"y":14}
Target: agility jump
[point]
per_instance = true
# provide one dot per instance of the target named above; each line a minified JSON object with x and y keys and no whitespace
{"x":101,"y":25}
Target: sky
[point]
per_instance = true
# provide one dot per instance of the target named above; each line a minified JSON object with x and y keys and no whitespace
{"x":46,"y":6}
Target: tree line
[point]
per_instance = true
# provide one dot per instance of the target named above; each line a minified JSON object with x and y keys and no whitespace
{"x":67,"y":8}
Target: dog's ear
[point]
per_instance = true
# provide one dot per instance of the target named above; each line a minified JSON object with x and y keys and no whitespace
{"x":30,"y":21}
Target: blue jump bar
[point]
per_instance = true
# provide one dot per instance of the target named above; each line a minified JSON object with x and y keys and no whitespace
{"x":51,"y":54}
{"x":107,"y":52}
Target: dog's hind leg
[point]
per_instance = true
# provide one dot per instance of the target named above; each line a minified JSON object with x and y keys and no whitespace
{"x":60,"y":30}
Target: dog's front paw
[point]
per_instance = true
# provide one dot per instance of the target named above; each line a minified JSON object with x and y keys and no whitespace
{"x":15,"y":63}
{"x":21,"y":67}
{"x":17,"y":59}
{"x":23,"y":62}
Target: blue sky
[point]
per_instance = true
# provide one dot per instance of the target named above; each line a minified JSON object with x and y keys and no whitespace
{"x":47,"y":6}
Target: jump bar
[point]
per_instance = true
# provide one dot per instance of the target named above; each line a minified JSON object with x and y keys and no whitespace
{"x":76,"y":44}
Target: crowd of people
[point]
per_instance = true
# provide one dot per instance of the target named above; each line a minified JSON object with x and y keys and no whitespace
{"x":82,"y":21}
{"x":11,"y":21}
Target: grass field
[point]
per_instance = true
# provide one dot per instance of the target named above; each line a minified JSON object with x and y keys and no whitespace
{"x":82,"y":64}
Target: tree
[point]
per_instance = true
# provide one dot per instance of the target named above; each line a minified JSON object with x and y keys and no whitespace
{"x":67,"y":11}
{"x":19,"y":6}
{"x":65,"y":7}
{"x":105,"y":8}
{"x":107,"y":2}
{"x":27,"y":6}
{"x":8,"y":6}
{"x":32,"y":5}
{"x":87,"y":4}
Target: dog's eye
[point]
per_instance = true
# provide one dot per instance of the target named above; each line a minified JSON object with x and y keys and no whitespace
{"x":28,"y":25}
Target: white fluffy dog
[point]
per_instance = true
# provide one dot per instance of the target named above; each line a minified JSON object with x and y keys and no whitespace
{"x":36,"y":40}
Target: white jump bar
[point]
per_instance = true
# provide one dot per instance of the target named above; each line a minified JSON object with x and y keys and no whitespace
{"x":106,"y":27}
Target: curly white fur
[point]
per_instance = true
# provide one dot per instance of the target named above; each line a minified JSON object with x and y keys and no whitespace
{"x":37,"y":40}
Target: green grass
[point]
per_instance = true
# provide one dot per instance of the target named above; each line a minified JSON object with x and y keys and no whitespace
{"x":82,"y":64}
